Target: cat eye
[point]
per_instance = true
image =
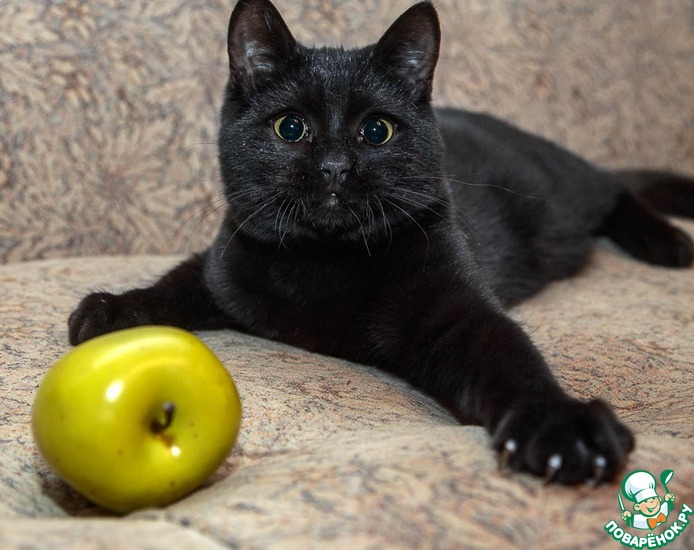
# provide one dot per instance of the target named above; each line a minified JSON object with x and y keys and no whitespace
{"x":377,"y":131}
{"x":291,"y":128}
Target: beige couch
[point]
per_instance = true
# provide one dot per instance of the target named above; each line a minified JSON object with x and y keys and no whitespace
{"x":108,"y":111}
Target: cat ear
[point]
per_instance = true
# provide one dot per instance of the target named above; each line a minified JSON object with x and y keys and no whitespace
{"x":258,"y":42}
{"x":410,"y":48}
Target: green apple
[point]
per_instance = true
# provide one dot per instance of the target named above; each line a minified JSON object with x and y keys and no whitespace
{"x":136,"y":418}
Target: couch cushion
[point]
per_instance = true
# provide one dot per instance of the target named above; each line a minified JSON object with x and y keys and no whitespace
{"x":333,"y":452}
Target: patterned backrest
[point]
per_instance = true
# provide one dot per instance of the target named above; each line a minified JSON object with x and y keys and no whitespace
{"x":108,"y":109}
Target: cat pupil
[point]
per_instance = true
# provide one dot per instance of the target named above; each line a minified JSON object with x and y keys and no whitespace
{"x":290,"y":128}
{"x":377,"y":131}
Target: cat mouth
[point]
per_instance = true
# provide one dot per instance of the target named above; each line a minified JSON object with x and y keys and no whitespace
{"x":329,"y":211}
{"x":328,"y":214}
{"x":331,"y":214}
{"x":332,"y":201}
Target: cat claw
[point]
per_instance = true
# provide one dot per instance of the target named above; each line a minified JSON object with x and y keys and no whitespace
{"x":599,"y":465}
{"x":554,"y":463}
{"x":510,"y":448}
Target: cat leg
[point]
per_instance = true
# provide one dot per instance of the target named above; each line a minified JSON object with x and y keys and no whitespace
{"x":646,"y":235}
{"x":636,"y":225}
{"x":666,"y":192}
{"x":180,"y":298}
{"x":535,"y":426}
{"x":480,"y":364}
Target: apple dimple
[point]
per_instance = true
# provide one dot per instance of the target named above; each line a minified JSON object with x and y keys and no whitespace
{"x":161,"y":422}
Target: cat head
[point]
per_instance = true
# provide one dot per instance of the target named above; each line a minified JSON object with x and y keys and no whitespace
{"x":329,"y":144}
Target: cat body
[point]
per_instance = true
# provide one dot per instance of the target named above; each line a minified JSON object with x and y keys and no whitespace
{"x":364,"y":224}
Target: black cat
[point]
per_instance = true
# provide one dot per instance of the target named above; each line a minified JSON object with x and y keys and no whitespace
{"x":364,"y":224}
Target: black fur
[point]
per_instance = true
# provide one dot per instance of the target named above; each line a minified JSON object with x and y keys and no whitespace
{"x":402,"y":255}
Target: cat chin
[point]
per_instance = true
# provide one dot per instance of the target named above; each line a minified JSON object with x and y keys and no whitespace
{"x":325,"y":215}
{"x":330,"y":225}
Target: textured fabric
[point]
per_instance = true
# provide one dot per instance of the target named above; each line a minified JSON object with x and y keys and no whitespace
{"x":108,"y":115}
{"x":336,"y":454}
{"x":108,"y":109}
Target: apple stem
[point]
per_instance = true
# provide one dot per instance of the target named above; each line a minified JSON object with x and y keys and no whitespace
{"x":157,"y":425}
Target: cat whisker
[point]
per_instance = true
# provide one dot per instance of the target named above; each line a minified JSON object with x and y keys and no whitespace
{"x":251,"y":215}
{"x":208,"y":210}
{"x":198,"y":143}
{"x":420,"y":204}
{"x":386,"y":224}
{"x":290,"y":214}
{"x":278,"y":219}
{"x":495,"y":186}
{"x":241,"y":193}
{"x":361,"y":229}
{"x":429,"y":198}
{"x":371,"y":216}
{"x":463,"y":217}
{"x":426,"y":235}
{"x":298,"y":206}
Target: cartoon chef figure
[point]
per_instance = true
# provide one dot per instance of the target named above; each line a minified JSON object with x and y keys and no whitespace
{"x":650,"y":509}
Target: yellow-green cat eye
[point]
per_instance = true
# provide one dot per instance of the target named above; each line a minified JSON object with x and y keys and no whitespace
{"x":291,"y":128}
{"x":377,"y":131}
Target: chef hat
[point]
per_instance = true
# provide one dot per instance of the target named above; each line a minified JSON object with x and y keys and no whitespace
{"x":639,"y":486}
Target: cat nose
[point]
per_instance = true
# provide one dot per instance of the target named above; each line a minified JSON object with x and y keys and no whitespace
{"x":334,"y":171}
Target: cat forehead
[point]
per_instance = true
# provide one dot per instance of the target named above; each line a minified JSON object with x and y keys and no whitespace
{"x":333,"y":68}
{"x":329,"y":79}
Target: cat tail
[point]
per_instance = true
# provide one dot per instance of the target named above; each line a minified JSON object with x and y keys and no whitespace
{"x":637,"y":223}
{"x":667,"y":192}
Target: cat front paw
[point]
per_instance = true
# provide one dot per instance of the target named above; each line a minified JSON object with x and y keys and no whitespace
{"x":100,"y":313}
{"x":568,"y":441}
